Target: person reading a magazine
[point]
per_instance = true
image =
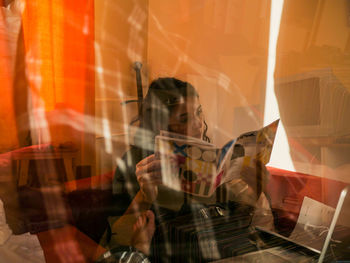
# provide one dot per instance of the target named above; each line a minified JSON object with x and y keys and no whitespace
{"x":171,"y":105}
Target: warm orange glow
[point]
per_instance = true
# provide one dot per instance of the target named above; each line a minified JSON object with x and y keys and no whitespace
{"x":7,"y":120}
{"x":78,"y":50}
{"x":36,"y":28}
{"x":58,"y":40}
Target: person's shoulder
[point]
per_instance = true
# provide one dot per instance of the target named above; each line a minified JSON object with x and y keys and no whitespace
{"x":134,"y":152}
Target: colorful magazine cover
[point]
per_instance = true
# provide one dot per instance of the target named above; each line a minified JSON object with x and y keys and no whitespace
{"x":198,"y":167}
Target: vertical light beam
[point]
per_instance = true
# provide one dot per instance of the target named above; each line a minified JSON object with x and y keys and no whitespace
{"x":280,"y":157}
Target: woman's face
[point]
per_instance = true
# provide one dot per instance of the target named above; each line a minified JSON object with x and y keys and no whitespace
{"x":187,"y":118}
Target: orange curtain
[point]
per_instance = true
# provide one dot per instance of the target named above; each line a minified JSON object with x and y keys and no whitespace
{"x":8,"y":131}
{"x":58,"y":36}
{"x":59,"y":53}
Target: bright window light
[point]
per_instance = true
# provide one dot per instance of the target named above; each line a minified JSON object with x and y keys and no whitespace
{"x":280,"y":157}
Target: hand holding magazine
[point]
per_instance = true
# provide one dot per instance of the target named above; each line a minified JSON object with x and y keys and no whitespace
{"x":198,"y":167}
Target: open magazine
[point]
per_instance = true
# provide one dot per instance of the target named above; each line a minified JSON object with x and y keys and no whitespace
{"x":198,"y":167}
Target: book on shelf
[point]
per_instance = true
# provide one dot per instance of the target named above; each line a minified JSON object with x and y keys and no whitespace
{"x":197,"y":167}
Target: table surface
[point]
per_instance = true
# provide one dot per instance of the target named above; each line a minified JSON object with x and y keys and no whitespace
{"x":45,"y":154}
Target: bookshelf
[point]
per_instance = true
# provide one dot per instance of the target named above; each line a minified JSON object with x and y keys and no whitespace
{"x":315,"y":108}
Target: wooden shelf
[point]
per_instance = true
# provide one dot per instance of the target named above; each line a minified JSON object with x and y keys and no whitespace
{"x":325,"y":141}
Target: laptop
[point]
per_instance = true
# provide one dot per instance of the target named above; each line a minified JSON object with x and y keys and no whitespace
{"x":284,"y":249}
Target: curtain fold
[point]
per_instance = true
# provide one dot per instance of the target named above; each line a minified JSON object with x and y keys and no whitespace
{"x":58,"y":41}
{"x":8,"y":40}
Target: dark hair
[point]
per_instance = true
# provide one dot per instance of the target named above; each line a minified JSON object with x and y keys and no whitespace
{"x":162,"y":96}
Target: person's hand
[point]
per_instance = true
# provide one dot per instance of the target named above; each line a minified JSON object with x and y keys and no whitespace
{"x":148,"y":173}
{"x":143,"y":231}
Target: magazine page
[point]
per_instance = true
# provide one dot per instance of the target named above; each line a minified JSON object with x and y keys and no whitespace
{"x":258,"y":144}
{"x":247,"y":149}
{"x":197,"y":167}
{"x":186,"y":165}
